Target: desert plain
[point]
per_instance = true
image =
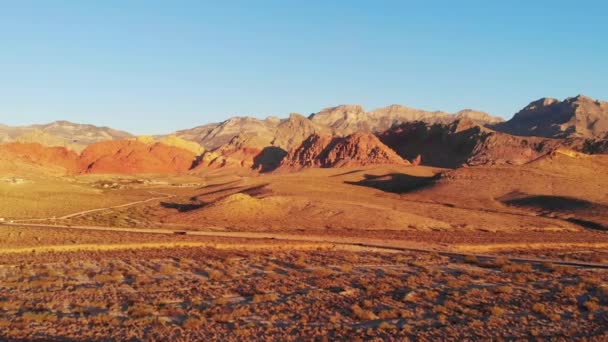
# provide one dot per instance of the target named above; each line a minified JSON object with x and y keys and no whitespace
{"x":309,"y":229}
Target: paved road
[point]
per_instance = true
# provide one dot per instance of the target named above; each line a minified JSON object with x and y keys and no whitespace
{"x":393,"y":245}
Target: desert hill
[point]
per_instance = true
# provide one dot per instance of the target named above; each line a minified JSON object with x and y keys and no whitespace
{"x":563,"y":184}
{"x":358,"y":149}
{"x":60,"y":133}
{"x":132,"y":157}
{"x":40,"y":155}
{"x":579,"y":116}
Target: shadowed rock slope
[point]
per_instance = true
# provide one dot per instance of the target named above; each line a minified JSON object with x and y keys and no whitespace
{"x":579,"y":116}
{"x":463,"y":142}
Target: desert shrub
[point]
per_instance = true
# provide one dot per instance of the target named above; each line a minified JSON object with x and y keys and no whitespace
{"x":500,"y":261}
{"x":497,"y":311}
{"x":300,"y":263}
{"x":368,"y":304}
{"x":456,"y":283}
{"x":166,"y":270}
{"x":471,"y":259}
{"x":222,"y":301}
{"x":216,"y":275}
{"x":591,"y":305}
{"x":517,"y":268}
{"x":362,"y":314}
{"x":194,"y":323}
{"x":39,"y":317}
{"x":385,"y":326}
{"x":335,"y":318}
{"x":504,"y":289}
{"x":269,"y":297}
{"x":539,"y":308}
{"x":440,"y":309}
{"x":570,"y":291}
{"x":388,"y":314}
{"x":346,"y":268}
{"x":114,"y":277}
{"x":555,"y":317}
{"x":322,"y":272}
{"x":140,"y":310}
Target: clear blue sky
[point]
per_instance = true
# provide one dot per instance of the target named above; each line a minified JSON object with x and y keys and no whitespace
{"x":157,"y":66}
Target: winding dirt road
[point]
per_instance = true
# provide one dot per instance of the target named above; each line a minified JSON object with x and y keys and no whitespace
{"x":84,"y":212}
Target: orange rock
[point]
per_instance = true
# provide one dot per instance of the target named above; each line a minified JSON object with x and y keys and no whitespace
{"x":357,"y":149}
{"x":132,"y":157}
{"x":36,"y":153}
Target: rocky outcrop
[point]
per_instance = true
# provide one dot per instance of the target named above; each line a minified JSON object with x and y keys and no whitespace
{"x":282,"y":133}
{"x":358,"y":149}
{"x":348,"y":119}
{"x":240,"y":151}
{"x":578,"y":116}
{"x":340,"y":120}
{"x":135,"y":157}
{"x":463,"y":142}
{"x":41,"y":155}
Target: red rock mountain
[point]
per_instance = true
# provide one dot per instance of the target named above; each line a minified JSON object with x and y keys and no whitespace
{"x":239,"y":152}
{"x":357,"y":149}
{"x":35,"y":153}
{"x":132,"y":157}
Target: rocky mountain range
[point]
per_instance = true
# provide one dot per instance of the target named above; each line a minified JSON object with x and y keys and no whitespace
{"x":61,"y":133}
{"x":341,"y":121}
{"x":348,"y":119}
{"x":334,"y":137}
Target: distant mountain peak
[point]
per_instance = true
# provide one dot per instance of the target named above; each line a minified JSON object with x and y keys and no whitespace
{"x":578,"y":116}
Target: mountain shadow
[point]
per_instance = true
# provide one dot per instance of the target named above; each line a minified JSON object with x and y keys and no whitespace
{"x":397,"y":183}
{"x":584,"y":213}
{"x":269,"y":159}
{"x":182,"y":207}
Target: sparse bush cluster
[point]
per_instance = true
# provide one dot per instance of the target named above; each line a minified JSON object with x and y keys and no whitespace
{"x":199,"y":294}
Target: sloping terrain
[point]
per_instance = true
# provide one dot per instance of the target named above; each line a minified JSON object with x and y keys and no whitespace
{"x":578,"y":116}
{"x":347,"y":119}
{"x":61,"y":133}
{"x":341,"y":120}
{"x":282,"y":133}
{"x":347,"y":201}
{"x":133,"y":157}
{"x":463,"y":142}
{"x":39,"y":155}
{"x":357,"y":149}
{"x":564,"y":184}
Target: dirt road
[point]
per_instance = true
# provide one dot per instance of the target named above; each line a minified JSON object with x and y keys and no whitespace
{"x":84,"y":212}
{"x":378,"y":244}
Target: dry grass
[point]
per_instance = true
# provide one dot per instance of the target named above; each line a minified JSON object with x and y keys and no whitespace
{"x":198,"y":292}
